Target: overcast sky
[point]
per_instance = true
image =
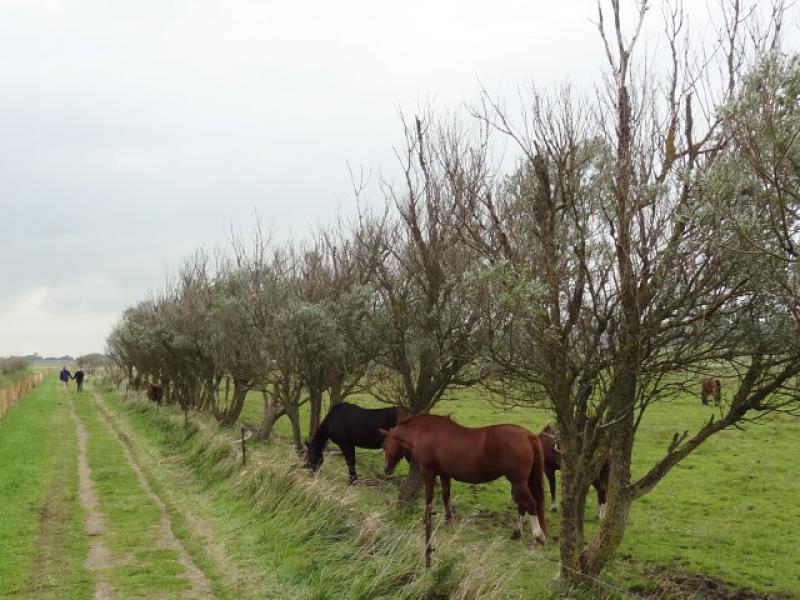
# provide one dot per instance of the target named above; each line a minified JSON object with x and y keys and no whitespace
{"x":133,"y":132}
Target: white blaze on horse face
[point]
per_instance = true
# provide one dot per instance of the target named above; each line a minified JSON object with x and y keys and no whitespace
{"x":538,"y":534}
{"x":601,"y":512}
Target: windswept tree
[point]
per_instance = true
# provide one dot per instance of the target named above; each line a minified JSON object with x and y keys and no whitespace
{"x":762,"y":165}
{"x":416,"y":264}
{"x":238,"y":350}
{"x":612,"y":281}
{"x":91,"y":362}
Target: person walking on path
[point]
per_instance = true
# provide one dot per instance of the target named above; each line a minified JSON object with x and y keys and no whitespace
{"x":64,"y":376}
{"x":78,"y":377}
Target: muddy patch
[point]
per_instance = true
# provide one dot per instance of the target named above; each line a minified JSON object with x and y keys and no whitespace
{"x":675,"y":585}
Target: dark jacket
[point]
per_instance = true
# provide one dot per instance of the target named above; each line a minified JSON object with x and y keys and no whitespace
{"x":78,"y":376}
{"x":64,"y":375}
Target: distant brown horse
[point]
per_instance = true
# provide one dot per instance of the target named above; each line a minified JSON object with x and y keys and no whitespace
{"x":440,"y":446}
{"x":155,"y":393}
{"x":711,"y":387}
{"x":552,"y":463}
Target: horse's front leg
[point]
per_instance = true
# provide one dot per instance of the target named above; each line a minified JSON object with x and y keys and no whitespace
{"x":349,"y":452}
{"x":600,"y":486}
{"x":448,"y":513}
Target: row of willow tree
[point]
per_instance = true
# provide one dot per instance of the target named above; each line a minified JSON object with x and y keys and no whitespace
{"x":644,"y":237}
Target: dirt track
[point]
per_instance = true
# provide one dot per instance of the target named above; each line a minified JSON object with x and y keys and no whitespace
{"x":99,"y":557}
{"x":201,"y":588}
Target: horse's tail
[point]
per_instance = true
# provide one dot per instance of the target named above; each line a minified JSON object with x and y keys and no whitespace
{"x":536,"y":480}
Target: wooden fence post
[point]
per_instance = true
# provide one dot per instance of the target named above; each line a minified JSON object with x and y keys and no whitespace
{"x":244,"y":456}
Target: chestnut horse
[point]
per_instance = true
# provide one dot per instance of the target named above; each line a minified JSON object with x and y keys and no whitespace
{"x":440,"y":446}
{"x":711,"y":387}
{"x":155,"y":393}
{"x":552,"y":463}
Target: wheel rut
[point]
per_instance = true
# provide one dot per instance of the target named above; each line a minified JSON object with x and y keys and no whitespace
{"x":200,"y":585}
{"x":99,"y":558}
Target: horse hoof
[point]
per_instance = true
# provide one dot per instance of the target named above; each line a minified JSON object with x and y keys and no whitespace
{"x":554,"y":508}
{"x":515,"y":535}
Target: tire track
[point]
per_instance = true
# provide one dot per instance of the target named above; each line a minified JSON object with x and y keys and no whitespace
{"x":200,"y":586}
{"x":99,"y":558}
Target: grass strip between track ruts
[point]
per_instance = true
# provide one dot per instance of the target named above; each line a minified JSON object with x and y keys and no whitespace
{"x":202,"y":523}
{"x":140,"y":565}
{"x":44,"y":546}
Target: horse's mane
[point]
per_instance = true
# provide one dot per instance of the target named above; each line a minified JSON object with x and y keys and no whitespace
{"x":447,"y":417}
{"x":321,"y":435}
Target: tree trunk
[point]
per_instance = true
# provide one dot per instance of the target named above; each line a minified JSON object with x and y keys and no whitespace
{"x":335,"y":391}
{"x":272,"y":412}
{"x":231,"y":413}
{"x":293,"y":412}
{"x":573,"y":507}
{"x":618,"y":504}
{"x":315,"y":405}
{"x":412,"y":486}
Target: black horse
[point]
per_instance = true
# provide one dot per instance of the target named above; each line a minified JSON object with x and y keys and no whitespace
{"x":552,"y":463}
{"x":350,"y":426}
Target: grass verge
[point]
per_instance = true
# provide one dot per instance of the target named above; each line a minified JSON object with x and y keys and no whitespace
{"x":41,"y":521}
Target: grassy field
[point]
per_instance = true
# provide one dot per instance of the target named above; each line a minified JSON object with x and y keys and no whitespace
{"x":730,"y":511}
{"x":269,"y":530}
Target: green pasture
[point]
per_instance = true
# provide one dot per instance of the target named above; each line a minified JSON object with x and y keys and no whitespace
{"x":730,"y":511}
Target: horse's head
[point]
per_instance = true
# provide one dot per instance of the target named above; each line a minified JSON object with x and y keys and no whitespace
{"x":392,"y":450}
{"x":314,"y":456}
